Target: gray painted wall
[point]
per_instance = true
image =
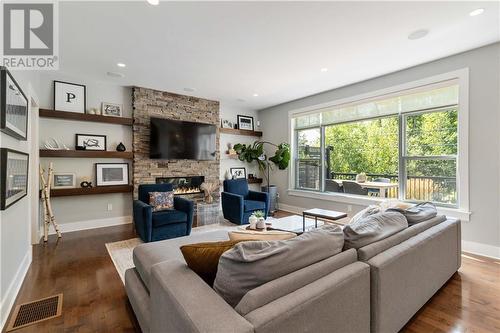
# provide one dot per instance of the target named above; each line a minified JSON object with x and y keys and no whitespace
{"x":484,"y":147}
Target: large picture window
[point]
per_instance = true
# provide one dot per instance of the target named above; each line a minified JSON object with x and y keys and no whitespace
{"x":403,"y":145}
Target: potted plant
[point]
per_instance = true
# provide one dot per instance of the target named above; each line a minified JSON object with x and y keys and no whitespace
{"x":255,"y":153}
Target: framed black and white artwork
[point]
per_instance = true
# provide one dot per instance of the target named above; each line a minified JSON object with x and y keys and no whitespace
{"x":70,"y":97}
{"x":238,"y":173}
{"x":245,"y":123}
{"x":108,"y":174}
{"x":13,"y":107}
{"x":63,"y":180}
{"x":13,"y":177}
{"x":111,"y":109}
{"x":91,"y":141}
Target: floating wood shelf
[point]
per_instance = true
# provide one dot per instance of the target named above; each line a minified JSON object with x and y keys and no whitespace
{"x":64,"y":192}
{"x":85,"y":117}
{"x":86,"y":153}
{"x":254,"y":181}
{"x":240,"y":132}
{"x":232,"y":156}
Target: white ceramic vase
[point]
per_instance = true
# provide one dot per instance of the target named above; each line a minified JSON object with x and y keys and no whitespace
{"x":253,"y":222}
{"x":261,"y":224}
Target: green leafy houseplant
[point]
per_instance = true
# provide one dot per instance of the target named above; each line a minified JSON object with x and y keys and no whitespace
{"x":258,"y":214}
{"x":255,"y":152}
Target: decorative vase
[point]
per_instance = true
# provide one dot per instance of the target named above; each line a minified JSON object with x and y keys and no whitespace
{"x":253,"y":222}
{"x":121,"y":147}
{"x":227,"y":175}
{"x":261,"y":224}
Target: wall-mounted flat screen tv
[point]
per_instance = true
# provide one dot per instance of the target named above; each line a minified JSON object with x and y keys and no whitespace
{"x":182,"y":140}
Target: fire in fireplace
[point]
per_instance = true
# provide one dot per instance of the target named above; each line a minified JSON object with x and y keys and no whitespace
{"x":183,"y":185}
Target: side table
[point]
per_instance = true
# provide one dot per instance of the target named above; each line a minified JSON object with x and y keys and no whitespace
{"x":208,"y":213}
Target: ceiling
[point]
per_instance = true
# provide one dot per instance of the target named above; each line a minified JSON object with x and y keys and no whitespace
{"x":230,"y":51}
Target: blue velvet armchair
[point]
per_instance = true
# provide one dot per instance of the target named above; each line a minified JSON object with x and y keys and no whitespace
{"x":153,"y":226}
{"x":238,"y":203}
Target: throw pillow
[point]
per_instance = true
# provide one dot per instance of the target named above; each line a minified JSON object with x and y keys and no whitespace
{"x":161,"y":200}
{"x":249,"y":265}
{"x":370,"y":210}
{"x":260,"y":235}
{"x":203,"y":258}
{"x":418,"y":213}
{"x":373,"y":228}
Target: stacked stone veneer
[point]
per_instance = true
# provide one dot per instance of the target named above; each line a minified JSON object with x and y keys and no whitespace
{"x":149,"y":103}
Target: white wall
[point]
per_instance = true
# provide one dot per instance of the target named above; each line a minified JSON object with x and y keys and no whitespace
{"x":78,"y":212}
{"x":15,"y":221}
{"x":482,"y":233}
{"x":231,"y":113}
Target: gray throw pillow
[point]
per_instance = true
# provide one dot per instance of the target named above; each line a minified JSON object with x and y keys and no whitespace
{"x":373,"y":228}
{"x":249,"y":265}
{"x":418,"y":213}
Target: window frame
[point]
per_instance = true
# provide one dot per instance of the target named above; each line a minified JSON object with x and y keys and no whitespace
{"x":461,"y":210}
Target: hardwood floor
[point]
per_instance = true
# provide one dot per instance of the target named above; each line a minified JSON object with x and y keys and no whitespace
{"x":95,"y":301}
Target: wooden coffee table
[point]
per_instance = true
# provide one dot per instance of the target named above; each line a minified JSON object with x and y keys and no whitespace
{"x":330,"y":215}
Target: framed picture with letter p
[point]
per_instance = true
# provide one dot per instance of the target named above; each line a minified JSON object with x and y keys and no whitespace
{"x":70,"y":97}
{"x":109,"y":174}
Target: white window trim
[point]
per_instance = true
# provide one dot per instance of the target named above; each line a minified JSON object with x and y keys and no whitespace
{"x":462,"y":76}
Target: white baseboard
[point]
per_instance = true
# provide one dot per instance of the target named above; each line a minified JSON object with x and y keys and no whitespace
{"x":467,"y":246}
{"x":8,"y":299}
{"x":91,"y":224}
{"x":481,"y":249}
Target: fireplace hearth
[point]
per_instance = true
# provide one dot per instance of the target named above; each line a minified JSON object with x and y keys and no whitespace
{"x":183,"y":185}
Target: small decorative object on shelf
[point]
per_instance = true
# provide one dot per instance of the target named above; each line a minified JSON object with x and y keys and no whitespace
{"x":111,"y":109}
{"x":13,"y":107}
{"x":69,"y":97}
{"x":245,"y":123}
{"x":80,"y":148}
{"x":208,"y":188}
{"x":47,"y":207}
{"x":121,"y":147}
{"x":251,"y":176}
{"x":54,"y":145}
{"x":238,"y":173}
{"x":91,"y":141}
{"x":230,"y":149}
{"x":64,"y":180}
{"x":227,"y":175}
{"x":226,"y":123}
{"x":85,"y":182}
{"x":108,"y":174}
{"x":91,"y":111}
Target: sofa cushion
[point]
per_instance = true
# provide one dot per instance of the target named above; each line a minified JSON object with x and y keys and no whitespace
{"x":148,"y":254}
{"x":373,"y":228}
{"x":418,"y":213}
{"x":251,"y":264}
{"x":161,"y":200}
{"x":251,"y":205}
{"x":203,"y":258}
{"x":167,"y":217}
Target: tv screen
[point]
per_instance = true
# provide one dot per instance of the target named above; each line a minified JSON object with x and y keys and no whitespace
{"x":177,"y":140}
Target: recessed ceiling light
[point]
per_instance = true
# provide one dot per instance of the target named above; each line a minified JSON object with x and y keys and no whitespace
{"x":154,"y":2}
{"x":189,"y":89}
{"x":324,"y":69}
{"x":477,"y":12}
{"x":417,"y":34}
{"x":115,"y":74}
{"x":255,"y":95}
{"x":121,"y":64}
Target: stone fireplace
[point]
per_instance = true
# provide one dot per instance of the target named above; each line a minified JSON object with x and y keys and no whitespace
{"x":183,"y":185}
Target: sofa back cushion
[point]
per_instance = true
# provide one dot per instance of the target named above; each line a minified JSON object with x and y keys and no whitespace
{"x":289,"y":283}
{"x":371,"y":250}
{"x":251,"y":264}
{"x":144,"y":190}
{"x":236,"y":186}
{"x":373,"y":228}
{"x":418,"y":213}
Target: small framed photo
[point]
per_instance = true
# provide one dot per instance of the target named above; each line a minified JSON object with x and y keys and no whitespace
{"x":238,"y":173}
{"x":91,"y":141}
{"x":70,"y":97}
{"x":108,"y":174}
{"x":111,"y":109}
{"x":226,"y":123}
{"x":63,"y":180}
{"x":13,"y":107}
{"x":245,"y":123}
{"x":13,"y":176}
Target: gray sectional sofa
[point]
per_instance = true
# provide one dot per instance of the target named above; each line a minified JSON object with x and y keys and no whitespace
{"x":376,"y":288}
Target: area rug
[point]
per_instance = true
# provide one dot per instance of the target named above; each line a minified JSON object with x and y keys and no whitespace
{"x":121,"y":252}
